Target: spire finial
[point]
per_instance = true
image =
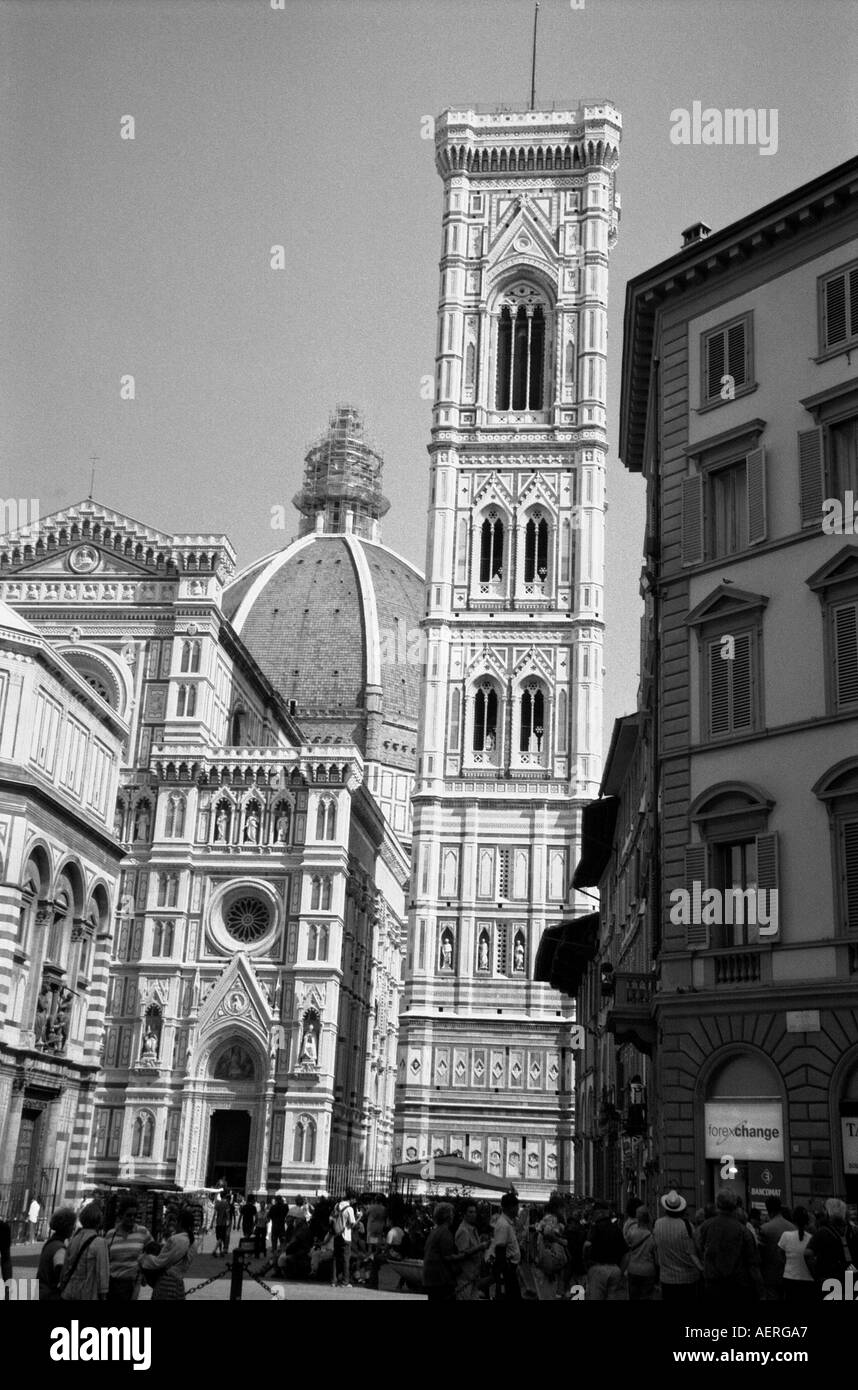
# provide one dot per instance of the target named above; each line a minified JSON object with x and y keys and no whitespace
{"x":533,"y":63}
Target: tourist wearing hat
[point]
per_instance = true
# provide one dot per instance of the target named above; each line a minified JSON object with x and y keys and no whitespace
{"x":679,"y":1264}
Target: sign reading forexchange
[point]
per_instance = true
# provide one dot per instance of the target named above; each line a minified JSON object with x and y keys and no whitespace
{"x":745,"y":1129}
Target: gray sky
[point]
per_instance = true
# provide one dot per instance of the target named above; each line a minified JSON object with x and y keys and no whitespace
{"x":302,"y":127}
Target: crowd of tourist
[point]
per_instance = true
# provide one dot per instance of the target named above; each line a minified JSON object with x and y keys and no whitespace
{"x":459,"y":1248}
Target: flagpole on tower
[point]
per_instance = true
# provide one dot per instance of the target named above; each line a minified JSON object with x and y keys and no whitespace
{"x":533,"y":63}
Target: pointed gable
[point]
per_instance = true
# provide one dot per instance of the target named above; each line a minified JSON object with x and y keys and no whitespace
{"x":726,"y":602}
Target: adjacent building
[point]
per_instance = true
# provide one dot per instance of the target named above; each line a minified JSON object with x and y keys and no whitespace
{"x":509,"y":744}
{"x":740,"y":409}
{"x":61,"y":743}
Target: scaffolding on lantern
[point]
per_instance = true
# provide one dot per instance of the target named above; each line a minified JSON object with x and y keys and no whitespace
{"x":342,"y":480}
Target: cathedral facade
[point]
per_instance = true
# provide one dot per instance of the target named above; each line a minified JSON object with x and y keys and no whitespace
{"x":241,"y":879}
{"x":510,"y":735}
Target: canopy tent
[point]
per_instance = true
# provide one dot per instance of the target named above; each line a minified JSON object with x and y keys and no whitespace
{"x":451,"y":1170}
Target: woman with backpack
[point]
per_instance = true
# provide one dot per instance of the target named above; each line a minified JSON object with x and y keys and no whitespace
{"x":641,"y":1262}
{"x":86,"y":1270}
{"x":52,"y":1258}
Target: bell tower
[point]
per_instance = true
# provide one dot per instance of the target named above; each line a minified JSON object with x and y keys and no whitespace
{"x":509,"y":747}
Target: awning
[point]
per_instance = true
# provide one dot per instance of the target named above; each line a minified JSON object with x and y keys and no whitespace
{"x":565,"y":952}
{"x":597,"y":840}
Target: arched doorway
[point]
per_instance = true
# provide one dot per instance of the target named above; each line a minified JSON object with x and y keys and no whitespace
{"x":234,"y":1073}
{"x":744,"y":1130}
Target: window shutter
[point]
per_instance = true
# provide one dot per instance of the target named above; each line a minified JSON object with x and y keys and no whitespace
{"x":737,"y":353}
{"x":767,"y":872}
{"x":743,"y":696}
{"x":692,"y":520}
{"x":715,"y":365}
{"x":853,"y":303}
{"x":810,"y":458}
{"x":697,"y":934}
{"x":849,"y":872}
{"x":719,"y":690}
{"x":846,"y":654}
{"x":835,"y":327}
{"x":755,"y":478}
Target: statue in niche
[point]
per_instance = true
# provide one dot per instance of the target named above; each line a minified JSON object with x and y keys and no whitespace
{"x":43,"y":1012}
{"x":309,"y":1052}
{"x":251,"y":827}
{"x":221,"y":824}
{"x":483,"y":954}
{"x":118,"y":818}
{"x":282,"y":828}
{"x":58,"y":1032}
{"x":518,"y":955}
{"x":446,"y":952}
{"x":149,"y":1050}
{"x":142,"y":822}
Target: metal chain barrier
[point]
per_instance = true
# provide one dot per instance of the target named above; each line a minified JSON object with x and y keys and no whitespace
{"x":205,"y":1283}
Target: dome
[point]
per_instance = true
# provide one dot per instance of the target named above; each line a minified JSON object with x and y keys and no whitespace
{"x":333,"y":620}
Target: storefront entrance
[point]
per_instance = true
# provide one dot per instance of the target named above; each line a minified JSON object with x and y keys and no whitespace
{"x":229,"y":1148}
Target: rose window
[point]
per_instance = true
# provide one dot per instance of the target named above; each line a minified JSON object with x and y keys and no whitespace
{"x":248,"y":919}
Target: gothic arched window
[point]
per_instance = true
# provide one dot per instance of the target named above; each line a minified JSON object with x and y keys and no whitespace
{"x":536,"y":549}
{"x":190,"y":656}
{"x":186,"y":701}
{"x":326,"y":893}
{"x":485,"y":718}
{"x":520,"y":351}
{"x":175,"y":818}
{"x":532,"y":732}
{"x":315,"y":893}
{"x":491,"y":548}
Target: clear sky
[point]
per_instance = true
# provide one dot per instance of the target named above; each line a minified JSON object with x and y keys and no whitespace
{"x":302,"y":127}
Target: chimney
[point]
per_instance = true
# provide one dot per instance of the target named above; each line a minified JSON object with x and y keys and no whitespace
{"x":697,"y":232}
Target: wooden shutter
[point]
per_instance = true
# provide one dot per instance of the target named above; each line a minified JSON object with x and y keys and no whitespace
{"x":692,"y":520}
{"x":767,"y":874}
{"x":737,"y":352}
{"x":715,"y":364}
{"x":755,"y":481}
{"x":719,"y":690}
{"x":810,"y":469}
{"x":697,"y":934}
{"x":742,"y":684}
{"x":845,"y":617}
{"x":849,"y":873}
{"x":835,"y":327}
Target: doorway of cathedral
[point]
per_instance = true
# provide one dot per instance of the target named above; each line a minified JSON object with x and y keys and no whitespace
{"x":229,"y":1148}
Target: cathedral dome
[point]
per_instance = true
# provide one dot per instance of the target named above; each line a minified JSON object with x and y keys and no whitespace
{"x":333,"y":619}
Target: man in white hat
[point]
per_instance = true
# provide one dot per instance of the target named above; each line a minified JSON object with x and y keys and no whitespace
{"x":679,"y":1264}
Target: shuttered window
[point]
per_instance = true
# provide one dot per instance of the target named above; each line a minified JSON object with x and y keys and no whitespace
{"x":848,"y":856}
{"x":732,"y":685}
{"x":811,"y":476}
{"x":724,"y":509}
{"x":838,"y":309}
{"x":726,"y":360}
{"x":696,"y":933}
{"x":844,"y":618}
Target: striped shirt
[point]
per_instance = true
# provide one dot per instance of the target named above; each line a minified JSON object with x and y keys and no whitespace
{"x":125,"y":1248}
{"x":678,"y":1261}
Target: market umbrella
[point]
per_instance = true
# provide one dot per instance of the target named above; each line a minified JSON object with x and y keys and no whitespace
{"x":451,"y":1170}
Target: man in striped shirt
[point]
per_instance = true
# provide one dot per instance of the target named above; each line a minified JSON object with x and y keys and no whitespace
{"x":679,"y":1264}
{"x":125,"y":1246}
